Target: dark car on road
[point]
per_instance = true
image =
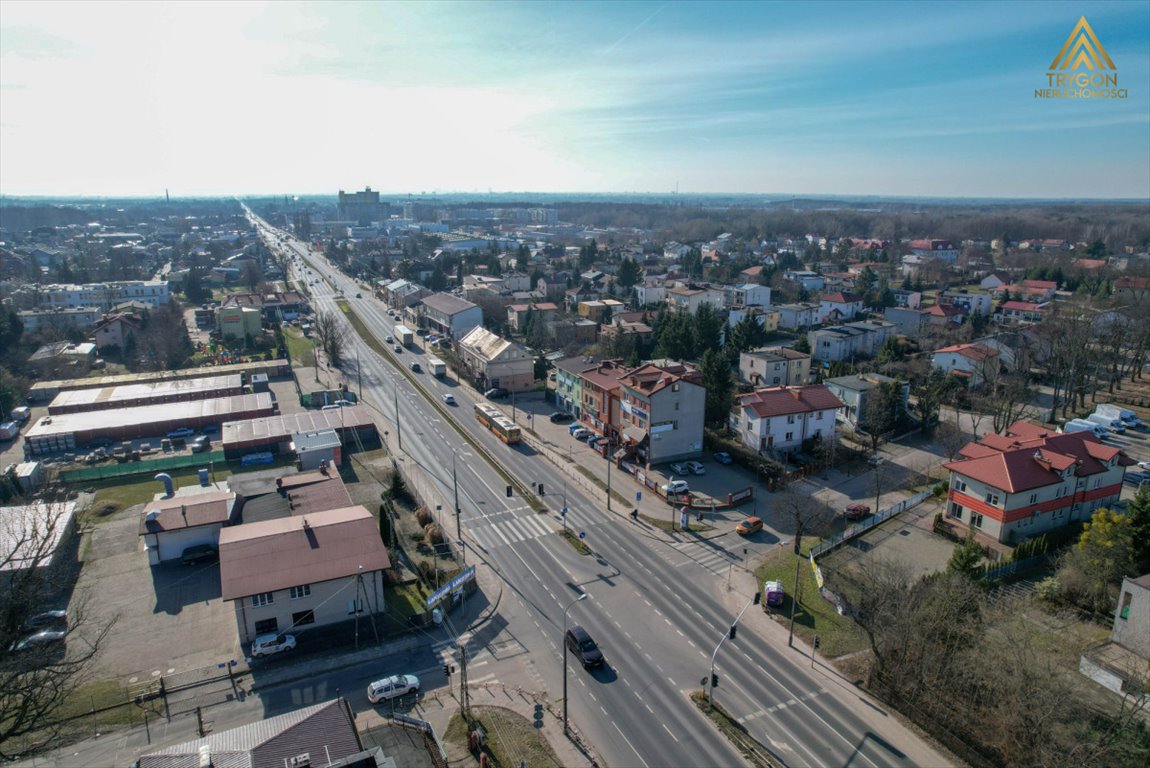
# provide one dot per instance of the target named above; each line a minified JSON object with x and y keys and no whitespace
{"x":561,"y":417}
{"x":496,"y":393}
{"x":583,"y":647}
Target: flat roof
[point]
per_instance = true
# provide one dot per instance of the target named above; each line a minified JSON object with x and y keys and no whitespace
{"x":96,"y":382}
{"x":28,"y":549}
{"x":108,"y":397}
{"x":282,"y":426}
{"x":216,"y":408}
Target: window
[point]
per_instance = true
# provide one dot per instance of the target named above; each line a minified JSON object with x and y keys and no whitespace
{"x":302,"y":591}
{"x":675,"y":387}
{"x":1034,"y":498}
{"x":976,"y":519}
{"x":260,"y":600}
{"x":302,"y":617}
{"x":955,"y":510}
{"x":791,"y":419}
{"x":819,"y":416}
{"x":959,"y":486}
{"x":267,"y":626}
{"x":992,"y":498}
{"x":790,"y":436}
{"x":1124,"y":613}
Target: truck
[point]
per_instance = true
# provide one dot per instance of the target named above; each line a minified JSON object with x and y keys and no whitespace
{"x":1127,"y":417}
{"x":1081,"y":425}
{"x":404,"y":335}
{"x":1112,"y":423}
{"x":437,"y":367}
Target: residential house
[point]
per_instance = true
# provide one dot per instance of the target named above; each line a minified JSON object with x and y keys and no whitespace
{"x":552,"y":286}
{"x":907,"y":299}
{"x":796,"y":317}
{"x":81,"y":318}
{"x":972,"y":362}
{"x":1035,"y":291}
{"x":495,"y":362}
{"x":661,"y":411}
{"x":399,"y":294}
{"x":774,"y":367}
{"x":1020,"y":313}
{"x":319,"y":734}
{"x":596,"y":311}
{"x":994,"y":281}
{"x":449,"y":315}
{"x":768,"y":319}
{"x":781,"y":418}
{"x":674,"y":251}
{"x":569,"y":383}
{"x":1029,"y":481}
{"x":747,"y":295}
{"x":809,"y":281}
{"x":688,"y":299}
{"x":303,"y":571}
{"x":115,"y":330}
{"x":839,"y":307}
{"x":855,"y":389}
{"x":516,"y":281}
{"x":982,"y":303}
{"x":574,"y":296}
{"x":652,"y":290}
{"x":944,"y":315}
{"x":172,"y":524}
{"x":908,"y":322}
{"x":1121,"y":664}
{"x":849,"y":340}
{"x":601,"y":394}
{"x":1132,"y":616}
{"x":943,"y":250}
{"x":544,"y":312}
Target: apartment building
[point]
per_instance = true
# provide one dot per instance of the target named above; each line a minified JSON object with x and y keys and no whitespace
{"x":782,"y":418}
{"x":774,"y":367}
{"x":661,"y":411}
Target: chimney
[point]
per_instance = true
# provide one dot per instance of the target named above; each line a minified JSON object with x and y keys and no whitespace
{"x":306,"y":526}
{"x":796,"y":394}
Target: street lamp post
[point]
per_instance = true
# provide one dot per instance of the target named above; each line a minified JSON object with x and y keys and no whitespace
{"x":564,"y":643}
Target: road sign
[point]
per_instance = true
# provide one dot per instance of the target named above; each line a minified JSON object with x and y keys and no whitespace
{"x":564,"y":512}
{"x":638,"y":496}
{"x":582,"y":535}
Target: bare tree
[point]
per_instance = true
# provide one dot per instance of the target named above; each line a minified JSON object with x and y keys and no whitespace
{"x":37,"y":679}
{"x":332,"y":336}
{"x":805,"y":514}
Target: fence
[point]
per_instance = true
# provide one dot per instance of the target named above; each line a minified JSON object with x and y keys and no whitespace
{"x":147,"y":466}
{"x":858,"y":529}
{"x":430,"y":737}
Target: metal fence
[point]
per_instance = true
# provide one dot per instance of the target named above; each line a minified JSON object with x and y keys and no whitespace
{"x":146,"y":466}
{"x":859,"y":529}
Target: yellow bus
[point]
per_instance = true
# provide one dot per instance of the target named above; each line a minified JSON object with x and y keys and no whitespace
{"x":492,"y":418}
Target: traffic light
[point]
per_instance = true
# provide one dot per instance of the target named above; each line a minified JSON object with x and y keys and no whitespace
{"x":732,"y":635}
{"x":714,"y":681}
{"x":758,"y":597}
{"x":541,"y":493}
{"x":509,"y":491}
{"x":816,"y":642}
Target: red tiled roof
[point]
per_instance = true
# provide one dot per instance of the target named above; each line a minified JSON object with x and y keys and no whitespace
{"x":840,"y":297}
{"x":289,"y":551}
{"x":780,"y":401}
{"x":1133,"y":283}
{"x":187,"y":511}
{"x":1089,"y":263}
{"x":976,"y":352}
{"x":1023,"y":306}
{"x":945,"y":310}
{"x":1049,"y":285}
{"x":1032,"y":457}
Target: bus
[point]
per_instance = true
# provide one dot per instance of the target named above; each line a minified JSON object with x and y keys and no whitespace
{"x":492,"y":418}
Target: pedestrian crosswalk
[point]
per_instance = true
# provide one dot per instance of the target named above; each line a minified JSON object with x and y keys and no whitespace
{"x":709,"y":556}
{"x":510,"y":530}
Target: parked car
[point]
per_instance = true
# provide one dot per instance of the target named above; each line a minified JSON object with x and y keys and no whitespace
{"x":182,"y":432}
{"x":496,"y":393}
{"x":54,"y":618}
{"x":723,"y":457}
{"x":856,"y":511}
{"x":392,"y":688}
{"x":266,"y":645}
{"x":581,"y":433}
{"x":561,"y":417}
{"x":42,"y":639}
{"x":201,"y":444}
{"x":749,"y":526}
{"x":676,"y":487}
{"x":696,"y":468}
{"x":580,"y":644}
{"x":200,"y":553}
{"x":449,"y":399}
{"x":680,"y":469}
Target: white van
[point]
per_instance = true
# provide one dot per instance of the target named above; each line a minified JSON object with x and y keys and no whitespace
{"x":1081,"y":425}
{"x":1128,"y":417}
{"x":1113,"y":424}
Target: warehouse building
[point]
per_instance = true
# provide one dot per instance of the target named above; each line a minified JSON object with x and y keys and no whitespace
{"x":43,"y":391}
{"x":63,"y":433}
{"x":152,"y":393}
{"x":275,"y":433}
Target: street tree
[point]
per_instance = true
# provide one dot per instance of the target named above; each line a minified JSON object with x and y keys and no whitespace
{"x":716,"y":371}
{"x":251,"y":275}
{"x":880,"y":413}
{"x":36,"y":683}
{"x":1089,"y":573}
{"x":331,"y":335}
{"x":966,"y":559}
{"x":629,"y":273}
{"x":801,"y":513}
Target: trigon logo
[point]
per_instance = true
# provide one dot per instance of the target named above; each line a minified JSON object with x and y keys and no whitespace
{"x":1082,"y":47}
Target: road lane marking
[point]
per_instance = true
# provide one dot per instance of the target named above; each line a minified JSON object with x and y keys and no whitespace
{"x":668,"y":730}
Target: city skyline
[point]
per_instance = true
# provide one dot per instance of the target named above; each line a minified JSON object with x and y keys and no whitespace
{"x":859,"y":99}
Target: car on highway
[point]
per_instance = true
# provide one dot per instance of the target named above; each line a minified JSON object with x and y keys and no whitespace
{"x":722,"y":457}
{"x":749,"y":525}
{"x":416,"y":367}
{"x":392,"y":688}
{"x":266,"y":645}
{"x":359,"y":295}
{"x":42,"y":639}
{"x":696,"y":468}
{"x":561,"y":417}
{"x":389,"y":339}
{"x":200,"y":553}
{"x":856,"y":511}
{"x":182,"y":432}
{"x":676,"y":487}
{"x":449,"y":399}
{"x":680,"y":469}
{"x":398,"y":348}
{"x":583,"y":648}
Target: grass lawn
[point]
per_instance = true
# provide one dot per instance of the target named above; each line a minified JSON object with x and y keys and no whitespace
{"x":122,"y":493}
{"x":300,"y":348}
{"x":511,"y":738}
{"x":838,"y":635}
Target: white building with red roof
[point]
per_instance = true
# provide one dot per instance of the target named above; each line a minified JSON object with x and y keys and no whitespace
{"x":973,"y":362}
{"x":1031,"y":480}
{"x":1020,"y":313}
{"x":839,"y":307}
{"x":783,"y":417}
{"x":943,"y":250}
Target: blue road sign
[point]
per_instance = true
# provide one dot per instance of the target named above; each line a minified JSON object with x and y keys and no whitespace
{"x":582,"y":534}
{"x":638,"y":496}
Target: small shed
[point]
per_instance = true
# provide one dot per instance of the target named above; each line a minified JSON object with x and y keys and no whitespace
{"x":29,"y":475}
{"x":170,"y":525}
{"x":314,"y":449}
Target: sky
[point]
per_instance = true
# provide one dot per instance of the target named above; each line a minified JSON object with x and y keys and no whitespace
{"x":820,"y":98}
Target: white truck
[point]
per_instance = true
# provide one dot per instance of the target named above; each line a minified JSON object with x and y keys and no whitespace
{"x":1112,"y":424}
{"x":1081,"y":425}
{"x":437,"y":367}
{"x":1127,"y":417}
{"x":404,"y":335}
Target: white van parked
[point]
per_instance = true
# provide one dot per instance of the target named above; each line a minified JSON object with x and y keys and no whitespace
{"x":1081,"y":425}
{"x":1114,"y":425}
{"x":1128,"y":417}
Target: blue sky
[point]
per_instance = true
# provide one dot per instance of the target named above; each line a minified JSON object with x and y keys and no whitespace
{"x":904,"y":98}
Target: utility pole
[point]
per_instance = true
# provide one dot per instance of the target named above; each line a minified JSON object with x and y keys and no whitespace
{"x":455,"y":483}
{"x":398,"y":431}
{"x":610,"y":461}
{"x":463,"y":681}
{"x":359,"y":374}
{"x":712,"y":680}
{"x":794,"y":602}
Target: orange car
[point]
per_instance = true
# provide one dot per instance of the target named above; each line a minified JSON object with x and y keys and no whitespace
{"x":749,"y":526}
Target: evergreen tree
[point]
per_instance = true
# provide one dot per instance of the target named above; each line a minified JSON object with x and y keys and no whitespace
{"x":966,"y":560}
{"x":717,"y":380}
{"x":629,"y":273}
{"x":708,"y":327}
{"x":1139,"y":513}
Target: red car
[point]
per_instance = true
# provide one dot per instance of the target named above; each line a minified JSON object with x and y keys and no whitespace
{"x":749,"y":526}
{"x":857,"y":511}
